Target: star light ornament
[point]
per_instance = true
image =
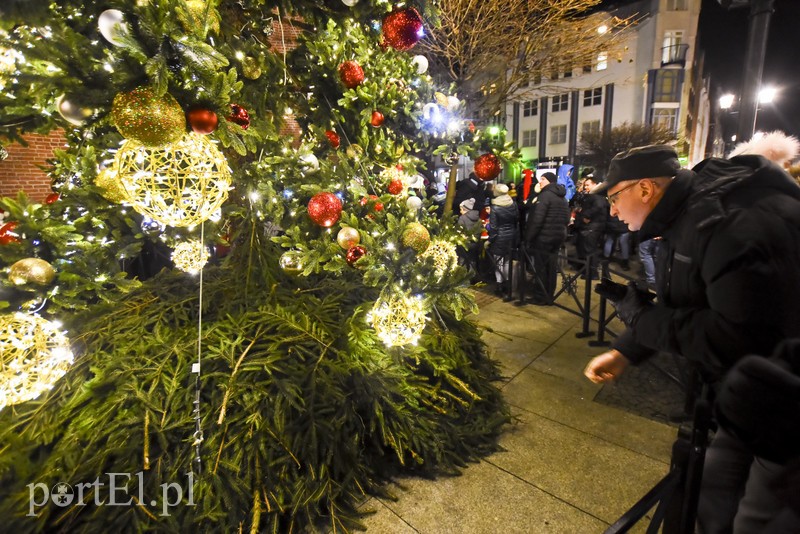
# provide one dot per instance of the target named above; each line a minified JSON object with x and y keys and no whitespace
{"x":179,"y":184}
{"x":34,"y":354}
{"x":398,"y":319}
{"x":190,"y":256}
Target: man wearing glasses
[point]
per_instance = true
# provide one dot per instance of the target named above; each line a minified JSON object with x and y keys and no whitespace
{"x":728,"y":285}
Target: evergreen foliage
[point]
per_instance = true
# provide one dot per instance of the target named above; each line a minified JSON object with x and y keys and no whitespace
{"x":303,"y":410}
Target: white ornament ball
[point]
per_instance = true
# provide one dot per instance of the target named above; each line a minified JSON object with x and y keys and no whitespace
{"x":309,"y":162}
{"x":414,"y":203}
{"x":422,"y":64}
{"x":111,"y":23}
{"x":349,"y":3}
{"x":452,"y":103}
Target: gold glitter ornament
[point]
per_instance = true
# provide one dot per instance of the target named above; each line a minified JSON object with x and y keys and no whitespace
{"x":180,"y":184}
{"x":190,"y":256}
{"x":148,"y":118}
{"x":195,"y":16}
{"x":416,"y":236}
{"x":398,"y":319}
{"x":34,"y":354}
{"x":112,"y":188}
{"x":291,"y":262}
{"x":443,"y":254}
{"x":250,"y":68}
{"x":355,"y":151}
{"x":31,"y":270}
{"x":348,"y":237}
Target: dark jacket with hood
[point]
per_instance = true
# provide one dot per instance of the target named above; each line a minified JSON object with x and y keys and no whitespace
{"x":728,"y":276}
{"x":595,"y":209}
{"x":548,"y":218}
{"x":503,"y":226}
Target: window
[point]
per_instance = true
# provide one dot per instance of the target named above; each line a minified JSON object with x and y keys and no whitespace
{"x":530,"y":108}
{"x":537,"y":79}
{"x":554,"y":75}
{"x":561,"y":102}
{"x":590,"y":127}
{"x":666,"y":117}
{"x":676,"y":5}
{"x":528,"y":137}
{"x":593,"y":97}
{"x":587,"y":68}
{"x":568,"y":73}
{"x":667,"y":87}
{"x":558,"y":134}
{"x":672,"y":40}
{"x":602,"y":61}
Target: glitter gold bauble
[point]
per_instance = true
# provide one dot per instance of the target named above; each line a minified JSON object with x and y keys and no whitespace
{"x":179,"y":184}
{"x":416,"y":236}
{"x":250,"y":68}
{"x":355,"y":151}
{"x":443,"y":254}
{"x":398,"y":319}
{"x":348,"y":237}
{"x":148,"y":118}
{"x":112,"y":188}
{"x":291,"y":262}
{"x":34,"y":354}
{"x":31,"y":270}
{"x":325,"y":209}
{"x":195,"y":16}
{"x":402,"y":28}
{"x":487,"y":167}
{"x":190,"y":256}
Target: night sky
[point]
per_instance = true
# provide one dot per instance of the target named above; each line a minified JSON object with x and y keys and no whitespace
{"x":723,"y":35}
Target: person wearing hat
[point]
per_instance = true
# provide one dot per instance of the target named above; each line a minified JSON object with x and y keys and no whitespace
{"x":591,"y":214}
{"x":503,"y":236}
{"x":728,"y":285}
{"x":469,"y":218}
{"x":545,"y":232}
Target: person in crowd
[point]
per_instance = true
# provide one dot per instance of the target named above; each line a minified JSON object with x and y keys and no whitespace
{"x":546,"y":231}
{"x":503,"y":235}
{"x":647,"y":255}
{"x":775,"y":146}
{"x":512,"y":190}
{"x":590,"y":222}
{"x":469,"y":219}
{"x":617,"y":234}
{"x":472,"y":187}
{"x":728,"y":285}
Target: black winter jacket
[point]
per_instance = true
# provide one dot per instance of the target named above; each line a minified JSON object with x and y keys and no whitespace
{"x":728,"y":276}
{"x":503,"y":229}
{"x":548,"y":218}
{"x":594,"y":208}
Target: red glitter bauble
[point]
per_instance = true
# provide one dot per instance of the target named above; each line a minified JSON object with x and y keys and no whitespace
{"x":333,"y":138}
{"x":377,"y":119}
{"x":7,"y":234}
{"x":354,"y":254}
{"x":325,"y":209}
{"x":395,"y":186}
{"x":402,"y":28}
{"x":378,"y":206}
{"x":51,"y":198}
{"x":204,"y":121}
{"x":239,"y":116}
{"x":487,"y":167}
{"x":351,"y":74}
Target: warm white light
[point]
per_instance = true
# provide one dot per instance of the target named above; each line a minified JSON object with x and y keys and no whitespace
{"x":726,"y":101}
{"x":767,"y":95}
{"x":602,"y":29}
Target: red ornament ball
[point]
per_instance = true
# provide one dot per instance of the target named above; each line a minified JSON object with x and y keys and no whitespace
{"x":471,"y":127}
{"x":239,"y":116}
{"x":325,"y":209}
{"x":333,"y":138}
{"x":487,"y":167}
{"x":51,"y":198}
{"x":7,"y":235}
{"x":402,"y":28}
{"x":203,"y":120}
{"x":377,"y":119}
{"x":378,"y":206}
{"x":351,"y":74}
{"x":395,"y":186}
{"x":354,"y":254}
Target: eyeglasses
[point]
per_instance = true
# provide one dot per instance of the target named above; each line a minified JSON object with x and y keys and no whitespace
{"x":612,"y":199}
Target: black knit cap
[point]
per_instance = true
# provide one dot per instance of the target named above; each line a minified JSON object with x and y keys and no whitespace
{"x":550,"y":177}
{"x":651,"y":161}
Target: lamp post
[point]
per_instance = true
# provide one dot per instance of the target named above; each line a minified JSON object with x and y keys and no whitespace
{"x":731,"y":106}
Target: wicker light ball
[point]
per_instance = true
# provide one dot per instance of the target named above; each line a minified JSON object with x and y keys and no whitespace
{"x":443,"y":254}
{"x":190,"y":256}
{"x":34,"y":354}
{"x":398,"y":319}
{"x":31,"y":270}
{"x":179,"y":184}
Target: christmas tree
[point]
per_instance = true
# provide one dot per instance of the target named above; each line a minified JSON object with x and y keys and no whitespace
{"x":238,"y":309}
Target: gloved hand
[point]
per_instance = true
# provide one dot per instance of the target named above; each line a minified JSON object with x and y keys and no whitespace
{"x":629,"y":301}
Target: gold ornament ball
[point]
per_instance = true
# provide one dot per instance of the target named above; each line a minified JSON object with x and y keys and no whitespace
{"x":31,"y":270}
{"x":34,"y":354}
{"x":153,"y":120}
{"x":190,"y":256}
{"x":291,"y":262}
{"x":355,"y":151}
{"x":348,"y":237}
{"x":398,"y":319}
{"x":416,"y":236}
{"x":250,"y":68}
{"x":112,"y":188}
{"x":180,"y":184}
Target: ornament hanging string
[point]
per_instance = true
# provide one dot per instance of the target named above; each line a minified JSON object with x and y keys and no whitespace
{"x":197,"y":464}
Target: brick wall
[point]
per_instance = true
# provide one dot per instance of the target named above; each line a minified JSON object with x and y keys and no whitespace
{"x":20,"y":171}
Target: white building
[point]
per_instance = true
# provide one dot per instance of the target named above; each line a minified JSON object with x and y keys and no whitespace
{"x":653,"y":81}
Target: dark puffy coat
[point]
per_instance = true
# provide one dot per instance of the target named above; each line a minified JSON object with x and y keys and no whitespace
{"x":615,"y":227}
{"x":594,"y":208}
{"x":548,"y":218}
{"x":728,"y":275}
{"x":470,"y":188}
{"x":503,"y":229}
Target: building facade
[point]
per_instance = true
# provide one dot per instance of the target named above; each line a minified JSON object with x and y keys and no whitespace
{"x":656,"y":79}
